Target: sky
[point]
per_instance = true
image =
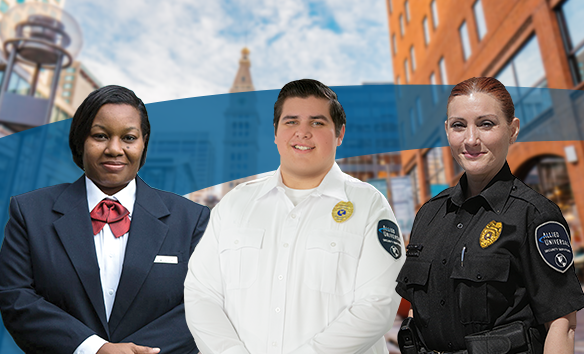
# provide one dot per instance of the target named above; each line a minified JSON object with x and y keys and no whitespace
{"x":165,"y":50}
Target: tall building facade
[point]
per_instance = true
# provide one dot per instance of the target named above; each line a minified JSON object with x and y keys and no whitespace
{"x":523,"y":43}
{"x":241,"y":124}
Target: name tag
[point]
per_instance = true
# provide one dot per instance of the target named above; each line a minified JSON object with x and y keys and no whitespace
{"x":166,"y":259}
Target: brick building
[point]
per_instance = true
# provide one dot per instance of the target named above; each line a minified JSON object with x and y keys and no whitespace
{"x":523,"y":43}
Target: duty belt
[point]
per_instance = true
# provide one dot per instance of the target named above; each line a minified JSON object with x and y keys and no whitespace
{"x":507,"y":339}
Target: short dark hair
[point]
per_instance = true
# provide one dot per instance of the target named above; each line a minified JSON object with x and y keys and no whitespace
{"x":491,"y":87}
{"x":85,"y":114}
{"x":305,"y":88}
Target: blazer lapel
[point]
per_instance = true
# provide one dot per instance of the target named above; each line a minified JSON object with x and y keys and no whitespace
{"x":147,"y":233}
{"x":74,"y":230}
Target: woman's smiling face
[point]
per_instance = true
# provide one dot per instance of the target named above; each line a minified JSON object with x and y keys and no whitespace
{"x":479,"y":134}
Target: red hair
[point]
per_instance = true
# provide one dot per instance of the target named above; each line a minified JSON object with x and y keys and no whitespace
{"x":491,"y":87}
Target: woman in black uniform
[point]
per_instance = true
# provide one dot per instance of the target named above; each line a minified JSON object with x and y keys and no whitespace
{"x":489,"y":254}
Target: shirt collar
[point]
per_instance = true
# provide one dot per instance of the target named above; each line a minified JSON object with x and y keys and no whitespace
{"x":495,"y":193}
{"x":126,"y":197}
{"x":332,"y":185}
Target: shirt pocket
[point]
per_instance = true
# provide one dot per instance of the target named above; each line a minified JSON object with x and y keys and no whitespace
{"x":331,"y":261}
{"x":414,"y":278}
{"x":478,"y":285}
{"x":239,"y":252}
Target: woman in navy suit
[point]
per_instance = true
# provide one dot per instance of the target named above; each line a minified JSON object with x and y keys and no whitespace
{"x":98,"y":266}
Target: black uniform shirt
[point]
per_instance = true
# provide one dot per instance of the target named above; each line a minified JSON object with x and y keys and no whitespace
{"x":475,"y":264}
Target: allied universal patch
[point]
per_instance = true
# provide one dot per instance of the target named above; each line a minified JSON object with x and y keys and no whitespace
{"x":389,"y":237}
{"x":342,"y":211}
{"x":553,"y":244}
{"x":490,"y":233}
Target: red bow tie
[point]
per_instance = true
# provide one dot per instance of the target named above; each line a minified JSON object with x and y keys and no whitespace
{"x":113,"y":213}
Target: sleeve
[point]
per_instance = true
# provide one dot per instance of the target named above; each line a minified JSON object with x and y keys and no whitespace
{"x":375,"y":303}
{"x":169,"y":332}
{"x":91,"y":345}
{"x":546,"y":263}
{"x":210,"y":326}
{"x":37,"y":326}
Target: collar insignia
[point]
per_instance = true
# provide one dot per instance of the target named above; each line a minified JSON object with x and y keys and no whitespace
{"x":342,"y":211}
{"x":490,"y":233}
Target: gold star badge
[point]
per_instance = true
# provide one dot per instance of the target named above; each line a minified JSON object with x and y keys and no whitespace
{"x":490,"y":233}
{"x":342,"y":211}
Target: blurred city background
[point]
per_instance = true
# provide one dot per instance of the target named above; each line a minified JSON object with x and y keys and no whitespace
{"x":532,"y":44}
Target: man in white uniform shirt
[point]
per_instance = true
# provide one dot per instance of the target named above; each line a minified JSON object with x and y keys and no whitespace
{"x":304,"y":261}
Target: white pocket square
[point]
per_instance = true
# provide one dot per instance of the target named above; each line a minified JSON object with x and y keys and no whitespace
{"x":166,"y":259}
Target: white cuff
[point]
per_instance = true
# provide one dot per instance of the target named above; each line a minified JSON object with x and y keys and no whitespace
{"x":91,"y":345}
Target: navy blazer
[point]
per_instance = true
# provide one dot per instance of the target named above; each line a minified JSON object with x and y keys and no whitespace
{"x":50,"y":290}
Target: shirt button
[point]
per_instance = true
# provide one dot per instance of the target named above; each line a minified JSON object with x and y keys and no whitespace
{"x":280,"y":277}
{"x":274,"y":344}
{"x":110,"y":291}
{"x":405,"y":279}
{"x":111,"y":255}
{"x":277,"y":309}
{"x":333,"y":244}
{"x":479,"y":277}
{"x":236,"y":242}
{"x":442,"y":302}
{"x":459,"y":225}
{"x":293,"y":216}
{"x":444,"y":261}
{"x":285,"y":245}
{"x":450,"y":345}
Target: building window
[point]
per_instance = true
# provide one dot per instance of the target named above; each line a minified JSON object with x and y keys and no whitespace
{"x":69,"y":77}
{"x":480,"y":19}
{"x":413,"y":174}
{"x":20,"y":1}
{"x":463,"y":31}
{"x":419,"y":111}
{"x":426,"y":31}
{"x":434,"y":167}
{"x":70,"y":69}
{"x":407,"y":73}
{"x":570,"y":17}
{"x":434,"y":88}
{"x":434,"y":9}
{"x":390,"y":6}
{"x":3,"y":6}
{"x":66,"y":93}
{"x":394,"y":44}
{"x":407,"y":6}
{"x":401,"y":24}
{"x":443,"y":75}
{"x":413,"y":125}
{"x":67,"y":86}
{"x":521,"y":75}
{"x":413,"y":57}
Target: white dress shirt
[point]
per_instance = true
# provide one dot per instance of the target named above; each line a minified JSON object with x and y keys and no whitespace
{"x":271,"y":277}
{"x":110,"y":255}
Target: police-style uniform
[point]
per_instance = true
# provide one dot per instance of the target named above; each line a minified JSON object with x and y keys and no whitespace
{"x":493,"y":259}
{"x":318,"y":277}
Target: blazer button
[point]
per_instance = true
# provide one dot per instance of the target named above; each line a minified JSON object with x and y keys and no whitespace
{"x":479,"y":277}
{"x":405,"y":279}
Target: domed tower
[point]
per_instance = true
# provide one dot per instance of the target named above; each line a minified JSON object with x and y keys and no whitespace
{"x":241,"y":124}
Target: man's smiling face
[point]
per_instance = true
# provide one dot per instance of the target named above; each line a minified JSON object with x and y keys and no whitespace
{"x":306,"y":141}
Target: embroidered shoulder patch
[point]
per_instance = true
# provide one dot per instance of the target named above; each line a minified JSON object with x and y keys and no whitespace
{"x":553,"y":244}
{"x":389,"y":237}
